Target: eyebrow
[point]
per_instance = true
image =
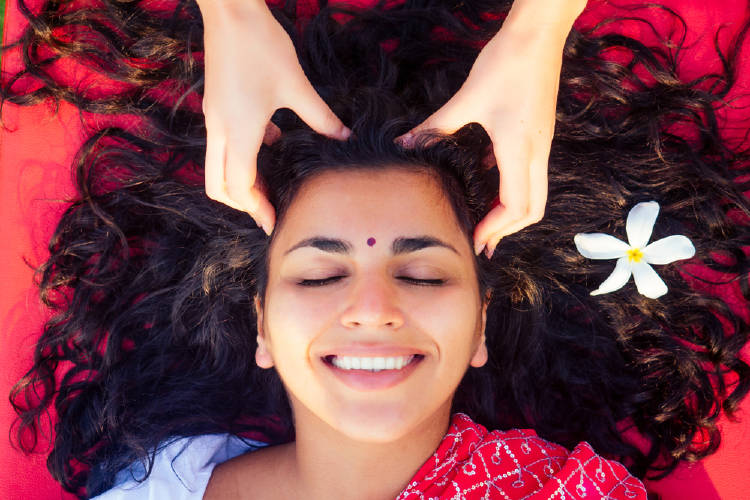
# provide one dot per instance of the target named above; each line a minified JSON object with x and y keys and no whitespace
{"x":400,"y":245}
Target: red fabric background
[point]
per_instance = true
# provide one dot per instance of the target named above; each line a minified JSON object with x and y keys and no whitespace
{"x":36,"y":150}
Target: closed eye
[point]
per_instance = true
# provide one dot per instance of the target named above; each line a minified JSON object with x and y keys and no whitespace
{"x":320,"y":282}
{"x":407,"y":279}
{"x":422,"y":282}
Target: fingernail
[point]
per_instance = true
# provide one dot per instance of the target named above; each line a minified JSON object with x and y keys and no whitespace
{"x":478,"y":248}
{"x":489,"y":252}
{"x":345,"y":134}
{"x":407,"y":140}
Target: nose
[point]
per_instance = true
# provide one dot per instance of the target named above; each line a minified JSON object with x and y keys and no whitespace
{"x":374,"y":304}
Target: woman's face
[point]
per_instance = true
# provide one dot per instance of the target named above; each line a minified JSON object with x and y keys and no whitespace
{"x":370,"y":271}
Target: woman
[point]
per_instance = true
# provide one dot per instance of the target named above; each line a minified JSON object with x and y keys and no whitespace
{"x":164,"y":279}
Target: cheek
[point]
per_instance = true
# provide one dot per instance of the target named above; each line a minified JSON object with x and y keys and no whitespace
{"x":293,"y":319}
{"x":451,"y":317}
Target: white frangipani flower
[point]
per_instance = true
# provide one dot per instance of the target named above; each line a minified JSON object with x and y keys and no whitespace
{"x":634,"y":257}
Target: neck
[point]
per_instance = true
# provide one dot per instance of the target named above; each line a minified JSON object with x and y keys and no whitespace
{"x":331,"y":465}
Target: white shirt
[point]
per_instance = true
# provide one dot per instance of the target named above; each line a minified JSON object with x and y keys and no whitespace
{"x":181,"y":469}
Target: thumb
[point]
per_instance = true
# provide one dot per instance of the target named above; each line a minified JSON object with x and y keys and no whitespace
{"x":447,"y":120}
{"x":313,"y":110}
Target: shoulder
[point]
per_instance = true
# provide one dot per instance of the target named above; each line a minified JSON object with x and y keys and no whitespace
{"x":181,"y":468}
{"x":265,"y":473}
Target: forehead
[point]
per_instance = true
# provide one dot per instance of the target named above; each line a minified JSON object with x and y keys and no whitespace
{"x":367,"y":203}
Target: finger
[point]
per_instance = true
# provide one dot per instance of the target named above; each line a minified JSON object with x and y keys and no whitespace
{"x":216,"y":188}
{"x":537,"y":204}
{"x":214,"y":171}
{"x":484,"y":234}
{"x":447,"y":120}
{"x":265,"y":211}
{"x":491,"y":244}
{"x":264,"y":215}
{"x":513,"y":194}
{"x":536,"y":208}
{"x":313,"y":110}
{"x":240,"y":174}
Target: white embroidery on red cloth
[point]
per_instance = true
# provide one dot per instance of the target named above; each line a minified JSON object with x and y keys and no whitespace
{"x":472,"y":477}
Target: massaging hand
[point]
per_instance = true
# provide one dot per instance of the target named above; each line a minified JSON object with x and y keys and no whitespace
{"x":251,"y":70}
{"x":512,"y":92}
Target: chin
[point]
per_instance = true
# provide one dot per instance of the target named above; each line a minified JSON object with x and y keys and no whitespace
{"x":380,"y":425}
{"x":376,"y":432}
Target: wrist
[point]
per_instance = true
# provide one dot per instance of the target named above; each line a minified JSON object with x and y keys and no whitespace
{"x":556,"y":16}
{"x":229,"y":9}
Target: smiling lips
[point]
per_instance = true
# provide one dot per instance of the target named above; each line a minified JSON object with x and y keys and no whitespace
{"x":372,"y":373}
{"x":371,"y":364}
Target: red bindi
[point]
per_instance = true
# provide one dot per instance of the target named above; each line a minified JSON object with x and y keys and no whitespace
{"x":370,"y":241}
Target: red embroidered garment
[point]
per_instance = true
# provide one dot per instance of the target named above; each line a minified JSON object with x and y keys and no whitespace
{"x":472,"y":463}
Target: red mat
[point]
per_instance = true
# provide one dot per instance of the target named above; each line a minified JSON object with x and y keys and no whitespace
{"x":36,"y":150}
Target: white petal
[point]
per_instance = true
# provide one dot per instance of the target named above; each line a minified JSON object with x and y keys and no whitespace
{"x":647,"y":281}
{"x":669,"y":249}
{"x":600,"y":246}
{"x":617,"y":279}
{"x":640,"y":223}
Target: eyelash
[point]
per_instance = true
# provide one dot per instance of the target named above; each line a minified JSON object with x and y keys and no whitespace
{"x":333,"y":279}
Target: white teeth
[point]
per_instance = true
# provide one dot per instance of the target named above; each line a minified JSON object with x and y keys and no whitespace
{"x":371,"y":364}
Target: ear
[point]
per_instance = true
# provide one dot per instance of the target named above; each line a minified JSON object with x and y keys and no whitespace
{"x":262,"y":355}
{"x":481,"y":355}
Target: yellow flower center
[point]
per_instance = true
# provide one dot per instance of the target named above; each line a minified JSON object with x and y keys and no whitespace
{"x":634,"y":255}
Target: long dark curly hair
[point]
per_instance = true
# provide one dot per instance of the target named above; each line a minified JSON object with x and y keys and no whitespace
{"x":152,"y":282}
